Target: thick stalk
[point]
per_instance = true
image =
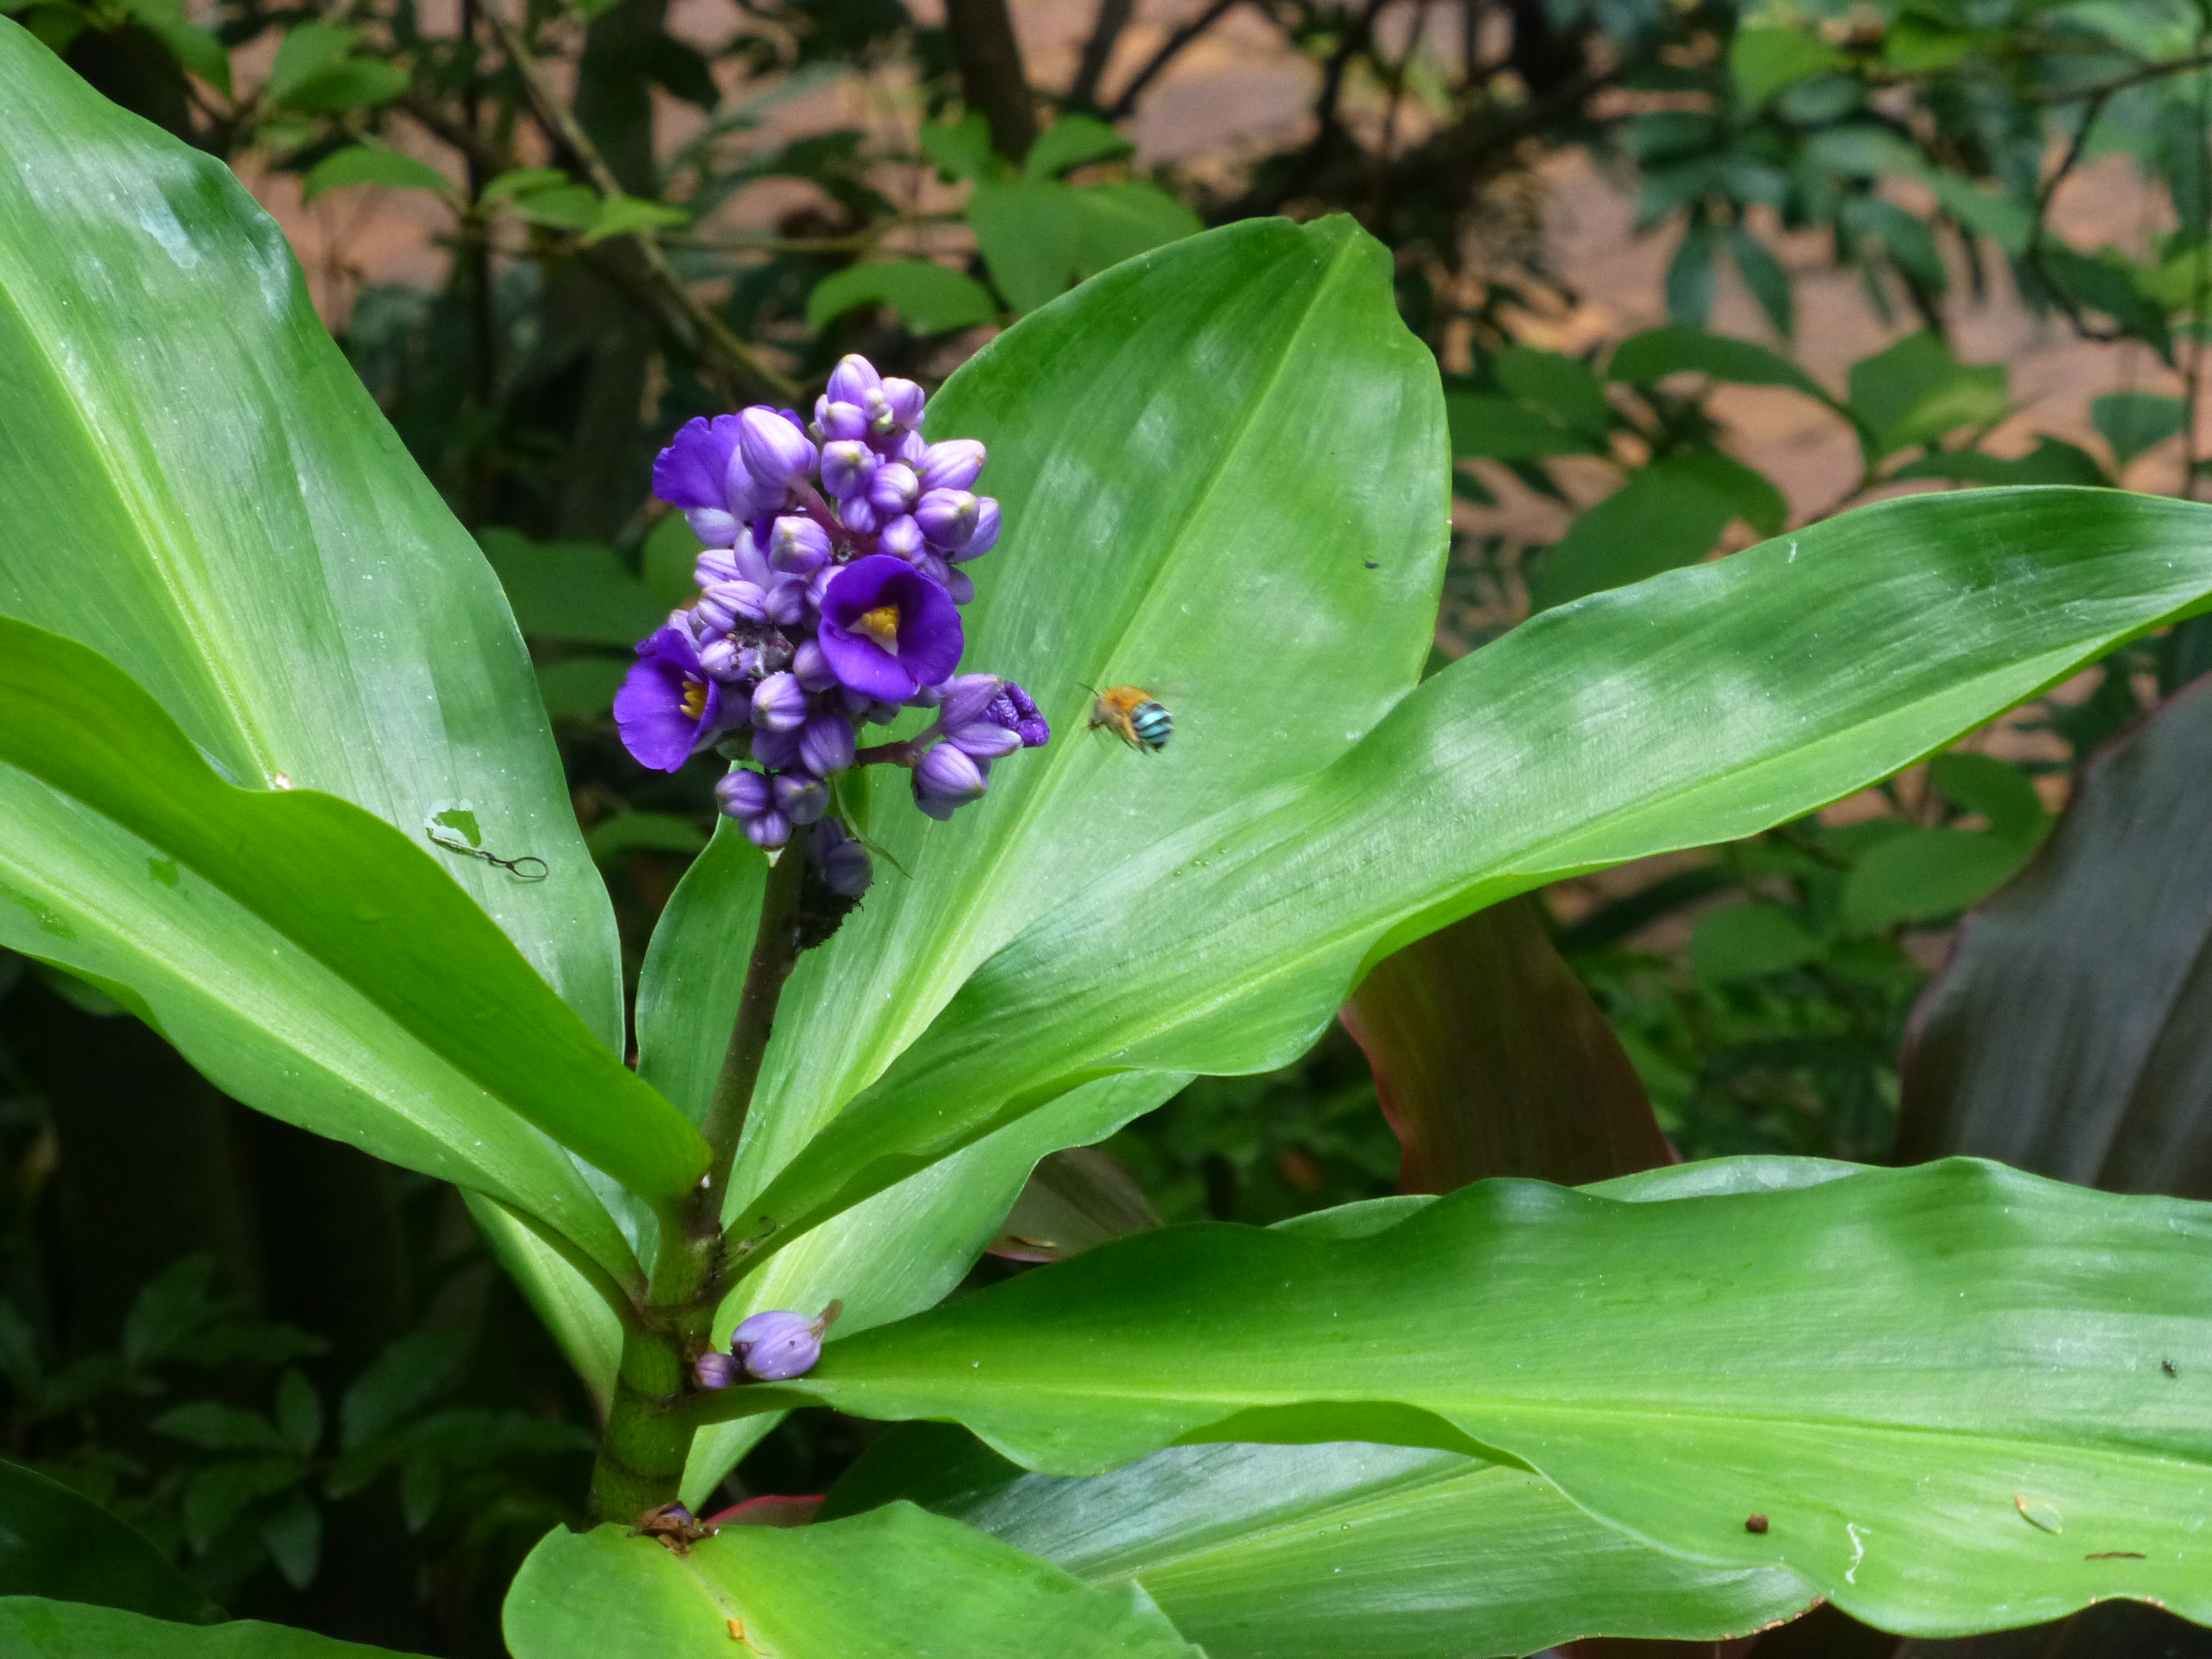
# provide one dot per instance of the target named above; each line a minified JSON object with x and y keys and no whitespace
{"x":641,"y":1455}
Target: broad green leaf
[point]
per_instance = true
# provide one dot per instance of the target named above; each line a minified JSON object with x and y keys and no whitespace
{"x":891,"y":1584}
{"x":930,"y":298}
{"x":1915,"y":391}
{"x":1673,"y":1366}
{"x":1120,"y":221}
{"x":386,"y":979}
{"x":523,"y":182}
{"x":1490,"y":1059}
{"x":2134,"y":421}
{"x":1997,"y":790}
{"x":1920,"y":875}
{"x":1700,"y":707}
{"x":1486,"y":426}
{"x":306,"y":50}
{"x":58,"y":1543}
{"x":1762,"y":61}
{"x":1556,"y":385}
{"x":576,"y":591}
{"x":40,"y":1628}
{"x":1668,"y":514}
{"x":1073,"y":140}
{"x":1260,"y":456}
{"x":211,"y":495}
{"x":1690,"y":280}
{"x":961,"y":149}
{"x":2067,"y":1034}
{"x":1648,"y":357}
{"x":367,"y":164}
{"x":2053,"y":460}
{"x":1314,"y":1552}
{"x":1745,"y":941}
{"x":1030,"y":232}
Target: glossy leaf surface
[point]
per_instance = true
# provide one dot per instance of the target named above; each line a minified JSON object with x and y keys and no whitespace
{"x":1313,"y":1552}
{"x":1490,"y":1059}
{"x":58,"y":1543}
{"x":40,"y":1628}
{"x":2068,"y":1033}
{"x":1673,"y":1366}
{"x":437,"y":1044}
{"x":891,"y":1584}
{"x":1231,"y":439}
{"x":1699,"y":706}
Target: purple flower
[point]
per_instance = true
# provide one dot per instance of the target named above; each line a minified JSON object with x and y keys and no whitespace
{"x":842,"y":861}
{"x":691,"y":472}
{"x":854,"y":381}
{"x":893,"y":489}
{"x":986,"y":535}
{"x":946,"y":779}
{"x":887,"y":629}
{"x":948,"y":518}
{"x":779,"y":704}
{"x":799,"y":798}
{"x":776,"y":450}
{"x":905,"y":400}
{"x":669,"y":706}
{"x":840,"y":422}
{"x":777,"y":1345}
{"x":953,"y":465}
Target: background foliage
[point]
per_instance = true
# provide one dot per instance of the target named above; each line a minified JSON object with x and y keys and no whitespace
{"x":295,"y":1369}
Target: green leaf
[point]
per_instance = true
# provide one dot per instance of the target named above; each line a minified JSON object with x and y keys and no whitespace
{"x":1668,"y":514}
{"x":1997,"y":790}
{"x":1762,"y":61}
{"x":634,"y":832}
{"x":1120,"y":221}
{"x":1814,"y":665}
{"x":523,"y":182}
{"x":425,"y":979}
{"x":1314,"y":1552}
{"x":2053,"y":460}
{"x":1283,"y":478}
{"x":349,"y":84}
{"x":2134,"y":422}
{"x":1764,"y":275}
{"x":1073,"y":140}
{"x":1490,"y":1059}
{"x":930,"y":298}
{"x":1648,"y":358}
{"x":267,"y":567}
{"x":299,"y":1413}
{"x":667,"y":559}
{"x":622,"y":215}
{"x":1562,"y":390}
{"x":1923,"y":874}
{"x":306,"y":50}
{"x":961,"y":149}
{"x":59,"y":1543}
{"x":1030,"y":234}
{"x":292,"y":1533}
{"x":67,"y":1630}
{"x":568,"y":207}
{"x":1915,"y":391}
{"x":581,"y":687}
{"x":1745,"y":941}
{"x":575,"y":591}
{"x":1602,"y":1344}
{"x":2067,"y":1033}
{"x":1498,"y":428}
{"x":365,"y":165}
{"x":399,"y":1380}
{"x":216,"y":1494}
{"x":214,"y":1426}
{"x":198,"y":49}
{"x":1690,"y":277}
{"x":885,"y":1586}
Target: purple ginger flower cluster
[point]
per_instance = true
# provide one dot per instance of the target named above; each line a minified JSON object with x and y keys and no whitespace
{"x":830,"y":598}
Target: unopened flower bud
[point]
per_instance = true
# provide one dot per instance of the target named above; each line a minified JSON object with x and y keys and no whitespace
{"x":857,"y":516}
{"x":811,"y":663}
{"x":779,"y":1345}
{"x":826,"y":743}
{"x":986,"y":536}
{"x":901,"y":537}
{"x":799,"y":798}
{"x":848,"y":468}
{"x":893,"y":489}
{"x":726,"y":604}
{"x":945,"y":780}
{"x":798,"y":547}
{"x":842,"y":861}
{"x":953,"y":465}
{"x":785,"y":602}
{"x":779,"y":704}
{"x":716,"y":1369}
{"x":713,"y":525}
{"x":948,"y":518}
{"x":841,"y":422}
{"x":905,"y":400}
{"x":853,"y":380}
{"x":776,"y":452}
{"x":743,"y":793}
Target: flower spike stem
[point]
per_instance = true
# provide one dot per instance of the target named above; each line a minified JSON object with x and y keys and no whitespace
{"x":641,"y":1455}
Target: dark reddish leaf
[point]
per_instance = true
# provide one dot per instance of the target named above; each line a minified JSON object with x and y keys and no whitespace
{"x":1490,"y":1059}
{"x":1075,"y":1198}
{"x":2071,"y":1033}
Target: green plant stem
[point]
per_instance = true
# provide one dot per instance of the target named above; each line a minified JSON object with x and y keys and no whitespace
{"x":648,"y":1436}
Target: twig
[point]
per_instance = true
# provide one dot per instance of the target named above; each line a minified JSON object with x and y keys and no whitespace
{"x":2149,"y":72}
{"x":992,"y":80}
{"x":2193,"y":378}
{"x":1125,"y":103}
{"x":709,"y":335}
{"x":1105,"y":34}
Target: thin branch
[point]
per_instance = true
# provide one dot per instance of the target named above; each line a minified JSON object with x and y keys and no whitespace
{"x":992,"y":78}
{"x":2105,"y":89}
{"x":1125,"y":104}
{"x":1105,"y":36}
{"x":707,"y":335}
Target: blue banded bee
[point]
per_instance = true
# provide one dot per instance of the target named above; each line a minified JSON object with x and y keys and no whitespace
{"x":1133,"y":714}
